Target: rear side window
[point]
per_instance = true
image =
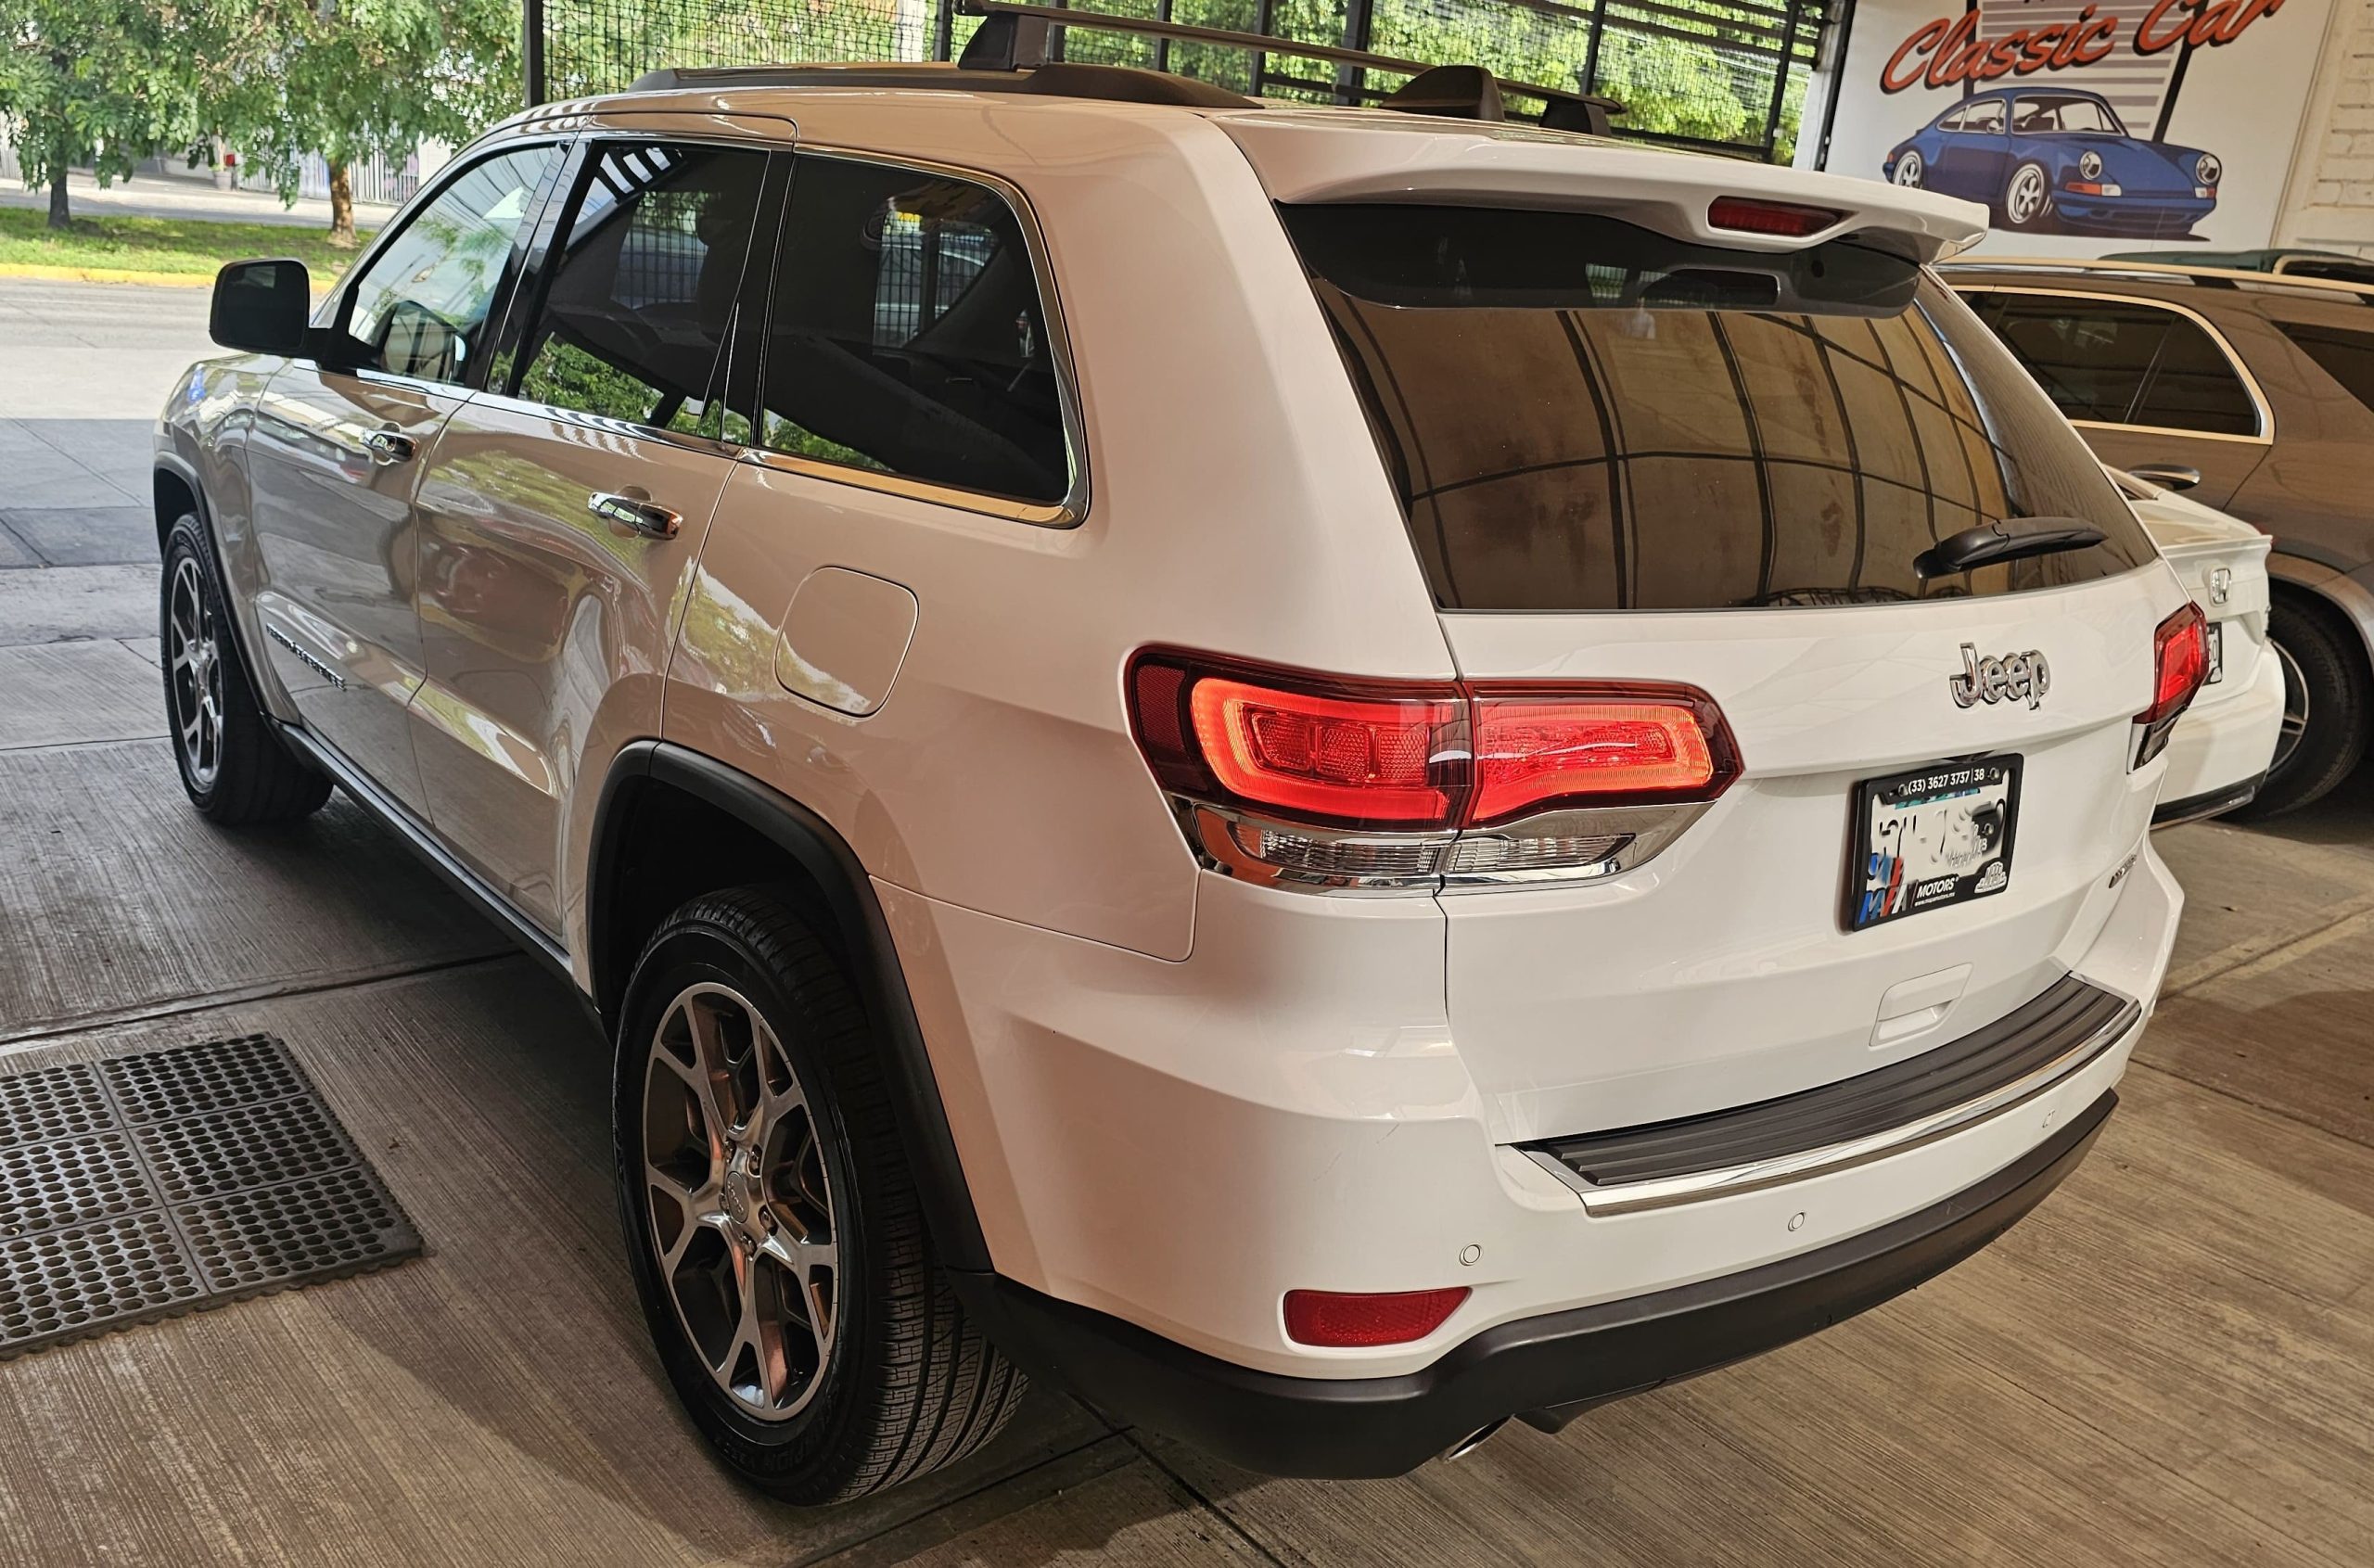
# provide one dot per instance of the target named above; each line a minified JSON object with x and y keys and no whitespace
{"x":2122,"y":361}
{"x":1580,"y":415}
{"x":2347,"y":357}
{"x":909,"y":337}
{"x":643,"y":284}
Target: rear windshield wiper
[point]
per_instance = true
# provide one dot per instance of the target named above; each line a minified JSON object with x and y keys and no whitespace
{"x":2010,"y":539}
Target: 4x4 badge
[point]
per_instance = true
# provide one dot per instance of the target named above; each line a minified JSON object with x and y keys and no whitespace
{"x":2013,"y":678}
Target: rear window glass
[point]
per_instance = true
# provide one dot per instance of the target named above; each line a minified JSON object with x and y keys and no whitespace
{"x":1581,"y":415}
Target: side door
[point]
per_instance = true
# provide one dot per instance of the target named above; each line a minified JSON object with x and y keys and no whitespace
{"x":1970,"y":154}
{"x":565,"y":505}
{"x":338,"y":447}
{"x":2153,"y":386}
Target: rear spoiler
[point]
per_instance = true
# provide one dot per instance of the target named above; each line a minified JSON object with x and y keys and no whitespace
{"x":1302,"y":158}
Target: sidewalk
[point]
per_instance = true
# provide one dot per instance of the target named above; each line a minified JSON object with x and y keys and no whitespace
{"x":187,"y":195}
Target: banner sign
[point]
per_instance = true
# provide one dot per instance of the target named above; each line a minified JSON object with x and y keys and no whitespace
{"x":2085,"y":126}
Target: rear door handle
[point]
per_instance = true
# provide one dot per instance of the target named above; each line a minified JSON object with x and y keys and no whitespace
{"x":389,"y":446}
{"x":644,"y":516}
{"x":2168,"y":475}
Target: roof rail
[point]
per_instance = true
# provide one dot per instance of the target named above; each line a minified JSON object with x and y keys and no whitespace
{"x":1013,"y":37}
{"x":2207,"y":277}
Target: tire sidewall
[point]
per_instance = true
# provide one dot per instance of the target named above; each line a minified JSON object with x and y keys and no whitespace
{"x":685,"y":954}
{"x":186,"y":539}
{"x":2338,"y":726}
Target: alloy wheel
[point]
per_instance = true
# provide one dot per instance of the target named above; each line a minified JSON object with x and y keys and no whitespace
{"x":2025,"y":202}
{"x":740,"y":1201}
{"x":2295,"y":711}
{"x":197,"y":668}
{"x":1909,"y":169}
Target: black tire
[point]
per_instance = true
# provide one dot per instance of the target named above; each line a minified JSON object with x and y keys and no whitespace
{"x":901,"y":1383}
{"x":235,"y":768}
{"x":2323,"y":661}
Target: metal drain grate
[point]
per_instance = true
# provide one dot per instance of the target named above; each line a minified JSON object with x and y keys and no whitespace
{"x":149,"y":1186}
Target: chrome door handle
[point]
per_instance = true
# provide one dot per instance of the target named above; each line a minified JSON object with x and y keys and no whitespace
{"x":2168,"y":475}
{"x":646,"y":517}
{"x":389,"y":446}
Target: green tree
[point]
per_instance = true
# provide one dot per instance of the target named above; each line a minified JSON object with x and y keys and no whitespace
{"x":352,"y":78}
{"x":99,"y":82}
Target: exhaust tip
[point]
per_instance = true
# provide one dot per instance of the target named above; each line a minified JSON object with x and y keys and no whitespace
{"x":1473,"y":1440}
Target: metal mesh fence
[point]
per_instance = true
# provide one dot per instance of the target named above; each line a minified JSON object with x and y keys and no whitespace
{"x":1723,"y":73}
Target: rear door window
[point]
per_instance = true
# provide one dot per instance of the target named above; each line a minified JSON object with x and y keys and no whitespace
{"x":1581,"y":415}
{"x":642,"y":286}
{"x":2122,"y":361}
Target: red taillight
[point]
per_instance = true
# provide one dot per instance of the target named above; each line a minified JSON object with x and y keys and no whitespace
{"x":2181,"y":656}
{"x":2180,"y":663}
{"x":1418,"y":754}
{"x":1337,"y":1317}
{"x":1783,"y":218}
{"x":1372,"y":761}
{"x":1530,"y":751}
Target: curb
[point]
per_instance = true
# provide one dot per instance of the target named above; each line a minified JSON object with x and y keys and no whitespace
{"x":105,"y":274}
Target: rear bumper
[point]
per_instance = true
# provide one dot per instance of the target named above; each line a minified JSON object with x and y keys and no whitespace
{"x":2221,"y":748}
{"x":1544,"y":1368}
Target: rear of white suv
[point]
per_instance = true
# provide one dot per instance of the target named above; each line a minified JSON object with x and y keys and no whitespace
{"x":1364,"y":773}
{"x":1750,"y":921}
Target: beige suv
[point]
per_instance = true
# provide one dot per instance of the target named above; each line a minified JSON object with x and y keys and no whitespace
{"x":1260,"y":758}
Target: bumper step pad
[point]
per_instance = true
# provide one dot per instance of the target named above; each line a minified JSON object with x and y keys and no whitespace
{"x":144,"y":1187}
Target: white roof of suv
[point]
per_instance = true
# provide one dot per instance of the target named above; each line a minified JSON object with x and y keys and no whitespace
{"x":1300,"y":152}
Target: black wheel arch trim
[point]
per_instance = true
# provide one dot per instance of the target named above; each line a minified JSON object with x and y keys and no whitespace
{"x":186,"y":474}
{"x":1545,"y":1370}
{"x":862,"y":932}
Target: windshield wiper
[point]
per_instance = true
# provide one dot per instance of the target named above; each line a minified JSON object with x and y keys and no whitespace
{"x":2010,"y":539}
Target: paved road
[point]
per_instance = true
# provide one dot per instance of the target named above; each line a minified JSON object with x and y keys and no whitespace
{"x":2171,"y":1361}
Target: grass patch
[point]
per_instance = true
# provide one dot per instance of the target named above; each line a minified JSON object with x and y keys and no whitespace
{"x":182,"y":246}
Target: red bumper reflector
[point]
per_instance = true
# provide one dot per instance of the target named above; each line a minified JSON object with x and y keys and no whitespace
{"x":1743,"y":215}
{"x":1341,"y":1319}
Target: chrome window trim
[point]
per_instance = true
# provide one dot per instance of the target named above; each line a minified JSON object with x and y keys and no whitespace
{"x":1067,"y":512}
{"x":2263,"y":436}
{"x":1635,"y":1197}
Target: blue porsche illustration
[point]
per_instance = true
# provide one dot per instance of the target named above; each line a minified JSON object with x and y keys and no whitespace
{"x":2046,"y":158}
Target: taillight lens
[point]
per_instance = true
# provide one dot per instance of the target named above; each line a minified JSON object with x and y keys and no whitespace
{"x":1370,"y":761}
{"x":2180,"y":663}
{"x":1746,"y":215}
{"x":1533,"y":751}
{"x":1346,"y":1320}
{"x":1420,"y":756}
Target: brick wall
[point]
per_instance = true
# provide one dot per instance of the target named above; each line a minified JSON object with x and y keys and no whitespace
{"x":2331,"y":193}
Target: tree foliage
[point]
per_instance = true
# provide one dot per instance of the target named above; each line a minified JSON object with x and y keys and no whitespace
{"x":350,"y":79}
{"x":98,"y":83}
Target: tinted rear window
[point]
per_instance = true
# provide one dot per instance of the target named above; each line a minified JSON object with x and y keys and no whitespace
{"x":1581,"y":415}
{"x":2347,"y":357}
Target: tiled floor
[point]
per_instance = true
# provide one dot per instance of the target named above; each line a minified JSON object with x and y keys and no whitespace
{"x":2170,"y":1362}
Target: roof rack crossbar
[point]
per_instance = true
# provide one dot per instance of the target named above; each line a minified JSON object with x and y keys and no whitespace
{"x":1563,"y":109}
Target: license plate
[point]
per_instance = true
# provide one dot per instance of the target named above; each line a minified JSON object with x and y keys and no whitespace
{"x":1930,"y":839}
{"x":2216,"y":653}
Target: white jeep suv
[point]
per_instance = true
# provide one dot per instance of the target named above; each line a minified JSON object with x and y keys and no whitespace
{"x":1328,"y":774}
